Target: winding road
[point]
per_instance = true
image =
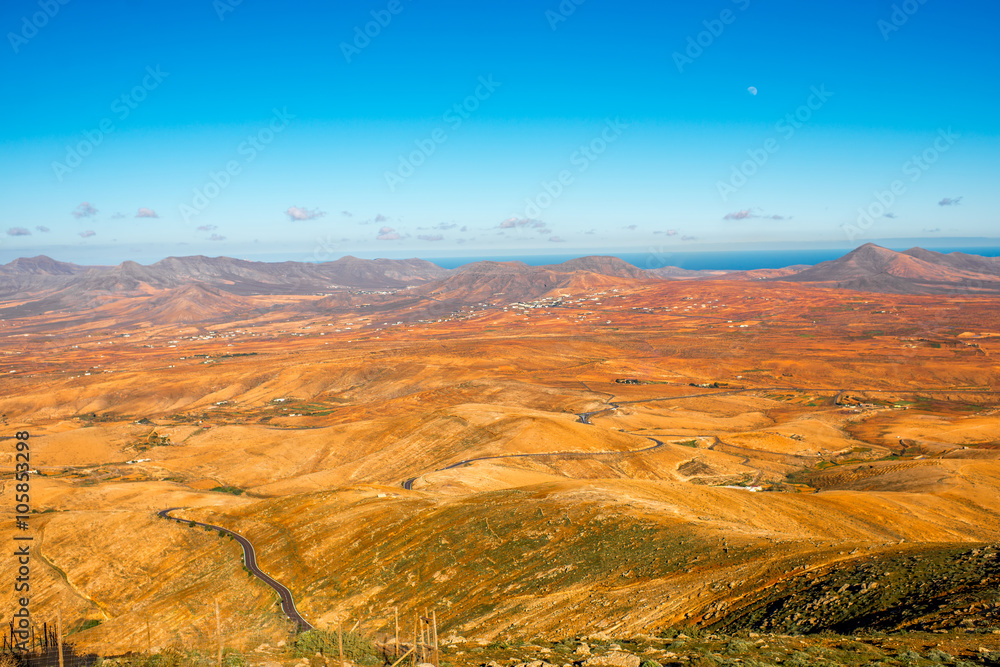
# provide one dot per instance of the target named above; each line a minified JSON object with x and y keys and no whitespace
{"x":408,"y":484}
{"x":584,"y":418}
{"x":250,"y":560}
{"x":288,"y":603}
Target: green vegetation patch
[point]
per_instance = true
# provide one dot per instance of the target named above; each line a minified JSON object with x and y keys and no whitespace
{"x":357,"y":649}
{"x":229,"y":489}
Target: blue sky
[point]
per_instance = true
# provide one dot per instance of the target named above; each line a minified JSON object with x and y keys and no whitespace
{"x":142,"y":129}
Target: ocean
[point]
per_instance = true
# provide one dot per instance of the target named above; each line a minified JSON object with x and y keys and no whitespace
{"x":697,"y":261}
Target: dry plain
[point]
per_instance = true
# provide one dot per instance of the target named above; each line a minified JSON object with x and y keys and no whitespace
{"x":783,"y":443}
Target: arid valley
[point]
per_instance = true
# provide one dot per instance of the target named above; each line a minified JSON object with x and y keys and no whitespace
{"x":577,"y":451}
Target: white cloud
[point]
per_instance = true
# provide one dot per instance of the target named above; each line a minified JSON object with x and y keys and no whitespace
{"x":84,"y":210}
{"x":387,"y":234}
{"x":297,"y":213}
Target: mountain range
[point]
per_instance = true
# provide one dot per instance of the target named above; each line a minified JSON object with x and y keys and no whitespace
{"x":188,"y":286}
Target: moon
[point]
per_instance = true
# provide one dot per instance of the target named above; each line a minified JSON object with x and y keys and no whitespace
{"x":752,"y":90}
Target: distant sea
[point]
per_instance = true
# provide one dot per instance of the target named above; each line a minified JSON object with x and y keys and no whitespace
{"x":697,"y":261}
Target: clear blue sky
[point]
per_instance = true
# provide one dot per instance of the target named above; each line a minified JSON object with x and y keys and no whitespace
{"x":344,"y":143}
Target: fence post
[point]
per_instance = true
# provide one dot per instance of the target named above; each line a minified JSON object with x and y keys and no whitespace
{"x":425,"y":632}
{"x":59,"y":636}
{"x":218,"y":630}
{"x":395,"y":612}
{"x":149,"y":641}
{"x":416,"y":630}
{"x":437,"y":651}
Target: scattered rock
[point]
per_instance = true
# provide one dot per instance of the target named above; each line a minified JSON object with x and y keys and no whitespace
{"x":613,"y":659}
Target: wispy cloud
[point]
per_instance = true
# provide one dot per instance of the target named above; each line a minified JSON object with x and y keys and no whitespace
{"x":87,"y":234}
{"x":43,"y":229}
{"x":948,"y":201}
{"x":347,"y":214}
{"x":207,"y":228}
{"x":430,"y":237}
{"x":84,"y":210}
{"x":146,"y":213}
{"x":381,"y":218}
{"x":749,"y":214}
{"x":18,"y":231}
{"x":631,"y":228}
{"x":556,"y":239}
{"x":890,"y":215}
{"x":216,"y":237}
{"x":387,"y":234}
{"x":511,"y":223}
{"x":932,"y":231}
{"x":297,"y":213}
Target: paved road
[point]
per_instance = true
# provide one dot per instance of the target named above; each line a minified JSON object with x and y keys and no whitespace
{"x":250,"y":560}
{"x":408,"y":484}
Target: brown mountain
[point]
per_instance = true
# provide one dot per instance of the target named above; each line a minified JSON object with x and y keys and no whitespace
{"x":872,"y":268}
{"x":507,"y":282}
{"x":958,"y":260}
{"x":40,"y":265}
{"x":27,"y":275}
{"x":41,"y":284}
{"x":603,"y":265}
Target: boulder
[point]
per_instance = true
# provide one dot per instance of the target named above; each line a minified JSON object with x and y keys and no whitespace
{"x":613,"y":659}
